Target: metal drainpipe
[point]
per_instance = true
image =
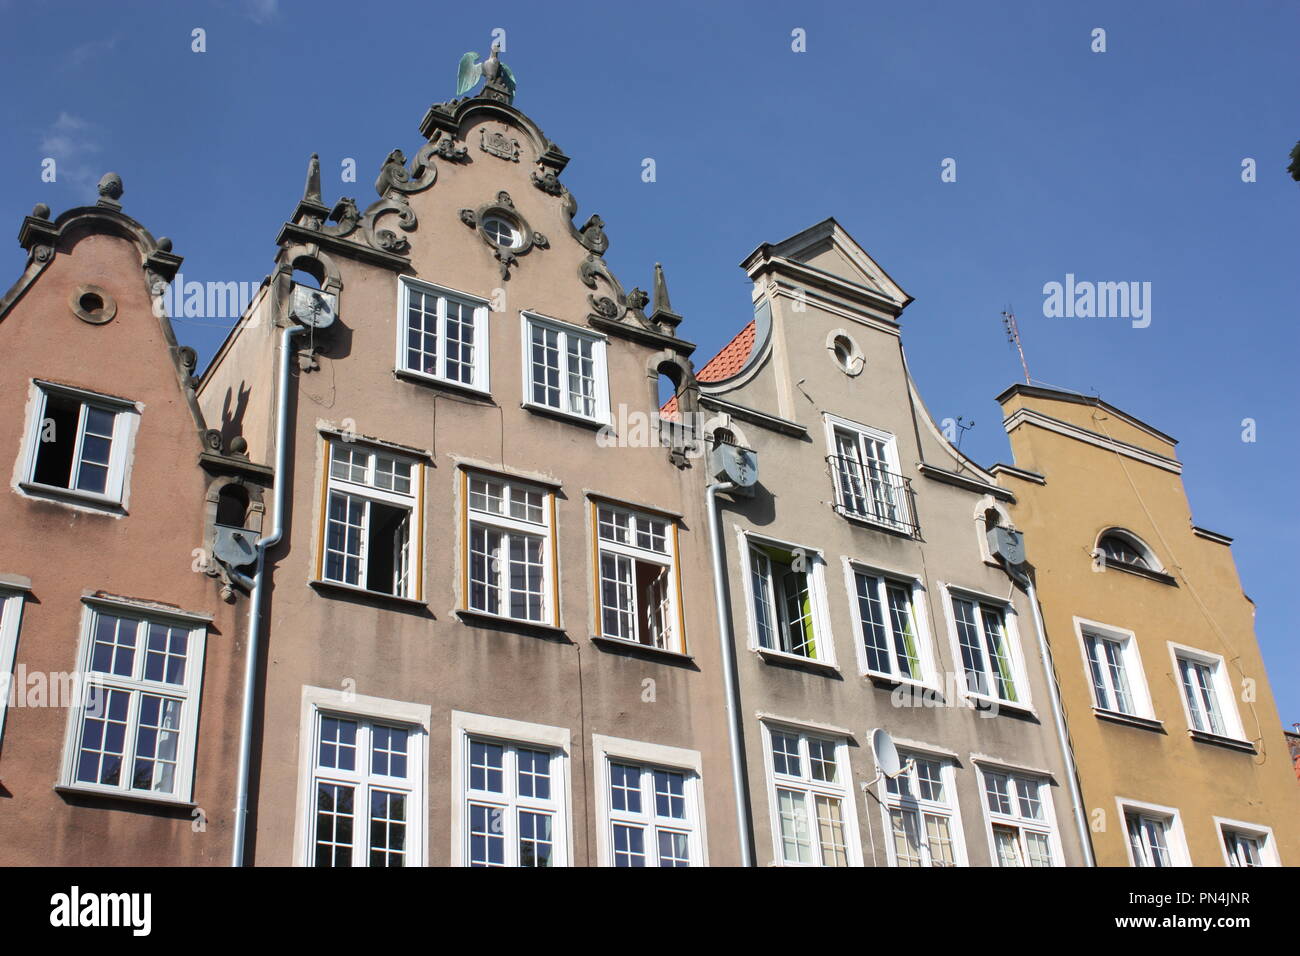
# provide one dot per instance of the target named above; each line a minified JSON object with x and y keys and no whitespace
{"x":255,"y":599}
{"x":726,"y":641}
{"x":1076,"y":798}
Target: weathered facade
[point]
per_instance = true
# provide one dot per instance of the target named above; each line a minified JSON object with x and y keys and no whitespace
{"x":119,"y":652}
{"x":484,"y":645}
{"x":1180,"y":750}
{"x":863,"y":594}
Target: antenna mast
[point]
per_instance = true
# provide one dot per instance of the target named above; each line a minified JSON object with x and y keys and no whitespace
{"x":1013,"y":336}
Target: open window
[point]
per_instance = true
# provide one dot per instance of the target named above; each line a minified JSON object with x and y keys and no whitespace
{"x":371,"y":520}
{"x":786,"y":592}
{"x":636,"y":562}
{"x":79,"y":444}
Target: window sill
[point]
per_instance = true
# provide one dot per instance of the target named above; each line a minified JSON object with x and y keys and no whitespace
{"x":80,"y":790}
{"x":794,"y":660}
{"x":891,"y":681}
{"x":620,"y":644}
{"x":1147,"y":573}
{"x":563,"y":416}
{"x":876,"y":524}
{"x":501,"y":622}
{"x":1218,"y":740}
{"x":1132,"y":720}
{"x":72,"y":496}
{"x":997,"y":703}
{"x":423,"y":378}
{"x":341,"y":588}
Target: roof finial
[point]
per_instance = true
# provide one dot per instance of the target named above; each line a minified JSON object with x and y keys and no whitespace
{"x":499,"y":81}
{"x":663,"y":313}
{"x":311,"y":192}
{"x":110,"y":190}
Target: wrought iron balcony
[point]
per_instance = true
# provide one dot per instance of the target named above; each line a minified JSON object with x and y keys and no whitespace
{"x":866,"y":492}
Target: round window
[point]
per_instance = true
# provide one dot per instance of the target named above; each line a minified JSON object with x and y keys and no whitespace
{"x":845,"y":352}
{"x":501,"y":232}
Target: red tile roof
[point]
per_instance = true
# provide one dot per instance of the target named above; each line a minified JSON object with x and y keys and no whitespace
{"x":729,"y":360}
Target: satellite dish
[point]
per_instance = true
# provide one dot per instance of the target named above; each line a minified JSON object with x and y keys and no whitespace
{"x":312,"y":307}
{"x":234,"y":547}
{"x":735,"y":464}
{"x":882,"y":745}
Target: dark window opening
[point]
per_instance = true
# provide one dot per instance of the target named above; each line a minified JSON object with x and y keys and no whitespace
{"x":232,"y":506}
{"x":1123,"y":551}
{"x":386,"y":566}
{"x":57,"y":441}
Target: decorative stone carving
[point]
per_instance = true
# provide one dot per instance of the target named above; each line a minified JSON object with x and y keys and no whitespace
{"x":592,"y":236}
{"x":344,"y":215}
{"x":92,"y":304}
{"x":593,"y":271}
{"x":386,"y":239}
{"x":212,"y":439}
{"x":498,"y":144}
{"x":445,"y":146}
{"x":395,"y":177}
{"x":110,"y":190}
{"x":503,"y":207}
{"x":547,"y":181}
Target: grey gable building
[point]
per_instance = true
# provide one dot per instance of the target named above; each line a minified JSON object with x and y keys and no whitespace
{"x":863,"y":595}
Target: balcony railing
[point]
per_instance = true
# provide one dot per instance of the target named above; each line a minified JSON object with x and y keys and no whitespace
{"x":869,"y":493}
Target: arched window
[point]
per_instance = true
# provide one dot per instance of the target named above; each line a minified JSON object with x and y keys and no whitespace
{"x":1121,"y":547}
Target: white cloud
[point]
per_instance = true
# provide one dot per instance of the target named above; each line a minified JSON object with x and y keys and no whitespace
{"x":72,"y":143}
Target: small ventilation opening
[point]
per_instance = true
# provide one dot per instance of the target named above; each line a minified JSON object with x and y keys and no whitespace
{"x":91,"y":302}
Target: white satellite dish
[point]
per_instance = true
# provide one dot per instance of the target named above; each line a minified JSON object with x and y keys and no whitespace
{"x":882,"y":745}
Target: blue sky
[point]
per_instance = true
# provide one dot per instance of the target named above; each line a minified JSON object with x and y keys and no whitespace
{"x":1115,"y":166}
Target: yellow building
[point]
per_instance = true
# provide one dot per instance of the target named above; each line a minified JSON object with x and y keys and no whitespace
{"x":1179,"y":748}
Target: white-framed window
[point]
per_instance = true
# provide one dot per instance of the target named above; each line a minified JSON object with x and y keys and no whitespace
{"x":134,"y":727}
{"x":786,"y":587}
{"x":869,"y":484}
{"x":1154,"y":834}
{"x":1114,"y":667}
{"x":892,"y":627}
{"x":638,"y":594}
{"x":510,"y":786}
{"x":988,"y":644}
{"x":509,"y":548}
{"x":79,"y":443}
{"x":372,"y":520}
{"x":444,"y":334}
{"x":650,"y":803}
{"x":363,"y":768}
{"x":1208,"y":698}
{"x":11,"y":614}
{"x":921,"y":814}
{"x":565,"y":368}
{"x":1247,"y":844}
{"x":814,"y":822}
{"x":500,"y":231}
{"x":1021,"y":819}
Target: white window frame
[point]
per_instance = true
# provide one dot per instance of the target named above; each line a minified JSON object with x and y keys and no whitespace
{"x":190,"y":693}
{"x":1267,"y":848}
{"x":1223,"y":689}
{"x":1011,"y":632}
{"x":928,"y":676}
{"x":906,"y":520}
{"x":11,"y":616}
{"x":126,"y":422}
{"x":367,"y":491}
{"x":507,"y":525}
{"x":346,"y":705}
{"x":1046,"y":826}
{"x":649,"y":757}
{"x":914,"y":802}
{"x":599,"y":367}
{"x":810,"y":788}
{"x":1131,"y":661}
{"x":480,"y":380}
{"x":1175,"y":838}
{"x":633,"y":552}
{"x":466,"y":727}
{"x":823,"y":637}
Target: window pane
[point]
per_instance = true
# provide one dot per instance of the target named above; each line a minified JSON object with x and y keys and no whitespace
{"x":546,"y":366}
{"x":487,"y":842}
{"x":830,"y":831}
{"x":165,"y":654}
{"x":670,"y":794}
{"x":874,"y":637}
{"x":536,"y":846}
{"x":387,"y":828}
{"x":526,"y":577}
{"x":972,"y":656}
{"x":1039,"y":848}
{"x":785,"y":754}
{"x":996,"y":789}
{"x":103,"y":736}
{"x":334,"y":814}
{"x":616,"y":596}
{"x":821,"y":760}
{"x":938,"y":835}
{"x":114,"y":648}
{"x":535,"y":774}
{"x":798,"y":614}
{"x":422,"y":333}
{"x":900,"y":616}
{"x":625,"y":788}
{"x":486,"y":767}
{"x":796,"y":843}
{"x":999,"y":654}
{"x":484,"y":570}
{"x":157,"y":743}
{"x":388,"y":751}
{"x":907,"y":837}
{"x":674,"y":848}
{"x":338,"y":744}
{"x":764,"y":611}
{"x":1007,"y":844}
{"x":460,"y":342}
{"x":487,"y":496}
{"x":343,"y":536}
{"x":629,"y":845}
{"x":96,"y":443}
{"x":582,"y":376}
